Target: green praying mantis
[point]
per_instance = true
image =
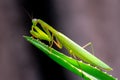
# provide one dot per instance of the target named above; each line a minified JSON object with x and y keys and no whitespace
{"x":48,"y":33}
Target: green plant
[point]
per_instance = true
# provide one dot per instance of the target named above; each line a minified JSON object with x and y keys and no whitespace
{"x":83,"y":70}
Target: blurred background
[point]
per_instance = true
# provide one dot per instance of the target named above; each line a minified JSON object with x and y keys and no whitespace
{"x":96,"y":21}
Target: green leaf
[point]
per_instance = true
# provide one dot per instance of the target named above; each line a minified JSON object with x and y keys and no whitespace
{"x":80,"y":68}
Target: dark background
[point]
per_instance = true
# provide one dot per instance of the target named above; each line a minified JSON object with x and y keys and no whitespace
{"x":44,"y":10}
{"x":81,"y":20}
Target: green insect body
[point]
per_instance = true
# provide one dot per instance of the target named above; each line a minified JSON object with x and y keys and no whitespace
{"x":71,"y":46}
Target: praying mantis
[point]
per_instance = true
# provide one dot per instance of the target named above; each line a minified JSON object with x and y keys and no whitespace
{"x":48,"y":33}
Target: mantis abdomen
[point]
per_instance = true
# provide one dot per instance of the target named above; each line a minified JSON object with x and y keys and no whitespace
{"x":81,"y":52}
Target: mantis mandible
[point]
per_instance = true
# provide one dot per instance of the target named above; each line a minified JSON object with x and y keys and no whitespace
{"x":48,"y":33}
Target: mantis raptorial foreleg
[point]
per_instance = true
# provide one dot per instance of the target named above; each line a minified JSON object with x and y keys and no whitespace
{"x":46,"y":35}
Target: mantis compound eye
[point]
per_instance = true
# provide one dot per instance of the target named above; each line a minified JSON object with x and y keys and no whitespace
{"x":34,"y":21}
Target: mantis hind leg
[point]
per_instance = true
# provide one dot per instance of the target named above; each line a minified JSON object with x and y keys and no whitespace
{"x":91,"y":46}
